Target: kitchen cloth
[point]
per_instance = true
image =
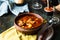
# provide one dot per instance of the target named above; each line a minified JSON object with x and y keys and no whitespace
{"x":4,"y":4}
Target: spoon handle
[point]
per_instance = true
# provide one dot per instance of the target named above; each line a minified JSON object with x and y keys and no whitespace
{"x":48,"y":3}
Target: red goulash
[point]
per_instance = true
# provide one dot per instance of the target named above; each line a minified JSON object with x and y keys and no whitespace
{"x":29,"y":22}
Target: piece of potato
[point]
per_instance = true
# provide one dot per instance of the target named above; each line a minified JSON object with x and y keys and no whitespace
{"x":29,"y":25}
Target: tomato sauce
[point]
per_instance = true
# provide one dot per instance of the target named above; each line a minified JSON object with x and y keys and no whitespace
{"x":29,"y":21}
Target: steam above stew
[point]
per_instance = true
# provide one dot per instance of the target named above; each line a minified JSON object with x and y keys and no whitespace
{"x":29,"y":21}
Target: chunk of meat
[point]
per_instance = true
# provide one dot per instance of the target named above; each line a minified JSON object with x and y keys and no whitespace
{"x":20,"y":23}
{"x":30,"y":21}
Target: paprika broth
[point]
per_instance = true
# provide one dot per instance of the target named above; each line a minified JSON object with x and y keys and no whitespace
{"x":29,"y":21}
